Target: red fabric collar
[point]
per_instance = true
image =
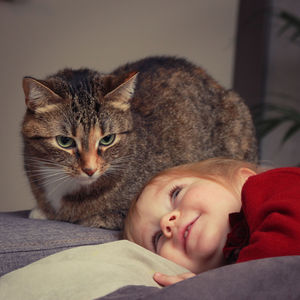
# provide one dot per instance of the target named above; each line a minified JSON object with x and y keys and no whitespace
{"x":237,"y":238}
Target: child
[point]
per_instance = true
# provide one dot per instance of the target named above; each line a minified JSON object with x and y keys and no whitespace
{"x":218,"y":211}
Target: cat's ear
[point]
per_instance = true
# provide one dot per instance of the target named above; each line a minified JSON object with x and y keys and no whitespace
{"x":38,"y":95}
{"x":120,"y":97}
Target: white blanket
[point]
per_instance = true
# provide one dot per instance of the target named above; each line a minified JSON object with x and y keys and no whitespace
{"x":86,"y":272}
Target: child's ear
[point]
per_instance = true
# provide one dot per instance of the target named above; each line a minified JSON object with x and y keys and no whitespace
{"x":244,"y":174}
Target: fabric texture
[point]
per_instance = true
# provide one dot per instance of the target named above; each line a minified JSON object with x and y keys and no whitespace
{"x":86,"y":272}
{"x":275,"y":278}
{"x":23,"y":240}
{"x":269,"y":223}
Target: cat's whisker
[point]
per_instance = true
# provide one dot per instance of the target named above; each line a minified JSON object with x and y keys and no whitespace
{"x":39,"y":178}
{"x":33,"y":158}
{"x":48,"y":181}
{"x":122,"y":160}
{"x":64,"y":181}
{"x":41,"y":167}
{"x":114,"y":169}
{"x":40,"y":162}
{"x":119,"y":164}
{"x":45,"y":172}
{"x":51,"y":182}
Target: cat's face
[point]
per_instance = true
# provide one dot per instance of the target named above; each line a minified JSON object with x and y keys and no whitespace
{"x":75,"y":138}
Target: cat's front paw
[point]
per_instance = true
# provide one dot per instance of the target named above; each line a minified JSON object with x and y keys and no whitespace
{"x":37,"y":213}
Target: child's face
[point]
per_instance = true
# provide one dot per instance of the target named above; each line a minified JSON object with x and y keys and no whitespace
{"x":185,"y":220}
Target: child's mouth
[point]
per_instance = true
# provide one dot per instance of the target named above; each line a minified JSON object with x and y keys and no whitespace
{"x":186,"y":232}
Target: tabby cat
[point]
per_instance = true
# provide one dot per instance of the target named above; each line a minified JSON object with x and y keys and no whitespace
{"x":92,"y":140}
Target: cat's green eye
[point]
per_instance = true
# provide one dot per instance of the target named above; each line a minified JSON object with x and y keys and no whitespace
{"x":65,"y":142}
{"x":107,"y":140}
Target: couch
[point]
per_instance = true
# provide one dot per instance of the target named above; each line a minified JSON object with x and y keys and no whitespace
{"x":43,"y":257}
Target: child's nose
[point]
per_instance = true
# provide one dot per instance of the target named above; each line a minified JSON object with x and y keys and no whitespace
{"x":168,"y":222}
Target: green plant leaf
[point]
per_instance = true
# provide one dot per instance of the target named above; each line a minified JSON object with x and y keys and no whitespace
{"x":280,"y":114}
{"x":264,"y":127}
{"x":292,"y":130}
{"x":290,"y":21}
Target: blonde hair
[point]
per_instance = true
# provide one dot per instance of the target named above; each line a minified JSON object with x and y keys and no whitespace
{"x":221,"y":170}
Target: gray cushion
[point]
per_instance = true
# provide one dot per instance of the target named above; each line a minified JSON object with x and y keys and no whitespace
{"x":23,"y":240}
{"x":275,"y":278}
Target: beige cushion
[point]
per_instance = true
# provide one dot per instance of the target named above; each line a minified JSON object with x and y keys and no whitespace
{"x":86,"y":272}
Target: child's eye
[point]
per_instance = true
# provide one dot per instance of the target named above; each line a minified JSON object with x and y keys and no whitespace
{"x":174,"y":193}
{"x":155,"y":239}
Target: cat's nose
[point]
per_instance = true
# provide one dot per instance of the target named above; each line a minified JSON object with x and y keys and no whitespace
{"x":89,"y":172}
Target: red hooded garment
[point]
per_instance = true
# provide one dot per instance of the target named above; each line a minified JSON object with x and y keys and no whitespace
{"x":269,"y":222}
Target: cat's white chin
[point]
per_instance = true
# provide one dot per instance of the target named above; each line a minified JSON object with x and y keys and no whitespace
{"x":55,"y":192}
{"x":84,"y":180}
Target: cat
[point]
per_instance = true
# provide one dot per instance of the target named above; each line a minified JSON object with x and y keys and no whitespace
{"x":92,"y":140}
